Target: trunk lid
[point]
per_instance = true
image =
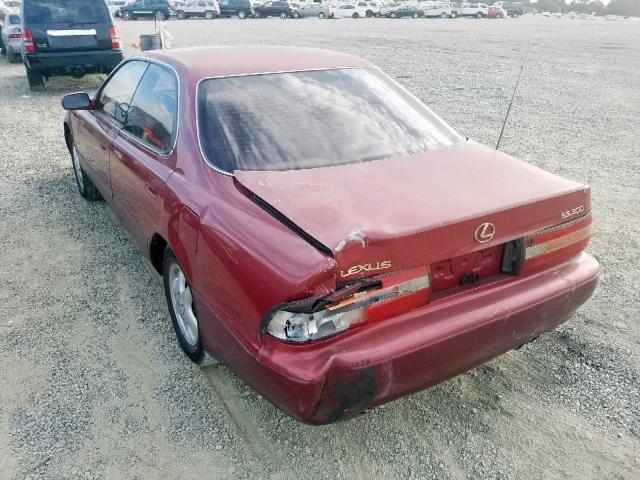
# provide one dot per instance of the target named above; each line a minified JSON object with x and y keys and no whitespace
{"x":405,"y":212}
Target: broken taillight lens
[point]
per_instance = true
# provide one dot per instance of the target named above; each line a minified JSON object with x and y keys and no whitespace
{"x":554,"y":245}
{"x":392,"y":295}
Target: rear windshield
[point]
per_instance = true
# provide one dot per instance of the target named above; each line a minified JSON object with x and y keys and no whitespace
{"x":72,"y":12}
{"x":288,"y":121}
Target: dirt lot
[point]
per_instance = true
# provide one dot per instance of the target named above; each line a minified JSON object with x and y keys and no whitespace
{"x":93,"y":385}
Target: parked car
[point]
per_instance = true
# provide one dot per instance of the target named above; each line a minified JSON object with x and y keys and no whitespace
{"x":324,"y":319}
{"x":67,"y":37}
{"x":276,"y":9}
{"x":350,"y":10}
{"x":198,"y":8}
{"x":114,"y":7}
{"x":477,"y":10}
{"x":158,"y":9}
{"x":314,"y":9}
{"x":496,"y":12}
{"x":513,"y":9}
{"x":371,"y":9}
{"x":240,"y":8}
{"x":400,"y":10}
{"x":437,"y":9}
{"x":11,"y":33}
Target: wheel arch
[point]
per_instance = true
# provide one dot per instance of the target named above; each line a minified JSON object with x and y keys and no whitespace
{"x":67,"y":135}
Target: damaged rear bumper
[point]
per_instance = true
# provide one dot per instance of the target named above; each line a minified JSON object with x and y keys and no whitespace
{"x":342,"y":376}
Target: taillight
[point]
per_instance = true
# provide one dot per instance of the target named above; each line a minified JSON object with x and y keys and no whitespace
{"x":27,"y":38}
{"x":556,"y":244}
{"x":390,"y":296}
{"x":115,"y":39}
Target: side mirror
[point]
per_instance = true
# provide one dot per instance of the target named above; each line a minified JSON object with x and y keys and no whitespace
{"x":77,"y":101}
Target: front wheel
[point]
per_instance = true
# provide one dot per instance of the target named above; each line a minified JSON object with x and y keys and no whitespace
{"x":127,"y":15}
{"x":86,"y":187}
{"x":209,"y":15}
{"x":159,"y":15}
{"x":182,"y":307}
{"x":284,"y":16}
{"x":393,"y":15}
{"x":181,"y":15}
{"x":378,"y":15}
{"x":415,"y":15}
{"x":296,"y":14}
{"x":242,"y":14}
{"x":444,"y":15}
{"x":321,"y":15}
{"x":479,"y":15}
{"x":454,"y":14}
{"x":355,"y":15}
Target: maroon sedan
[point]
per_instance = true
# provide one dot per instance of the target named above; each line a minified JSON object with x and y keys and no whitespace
{"x":320,"y":230}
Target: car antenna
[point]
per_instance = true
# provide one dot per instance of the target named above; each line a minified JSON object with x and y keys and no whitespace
{"x":506,"y":117}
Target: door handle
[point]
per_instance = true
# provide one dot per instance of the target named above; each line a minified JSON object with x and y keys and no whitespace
{"x":151,"y":191}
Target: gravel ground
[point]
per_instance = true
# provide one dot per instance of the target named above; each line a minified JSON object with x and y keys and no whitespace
{"x":93,"y":385}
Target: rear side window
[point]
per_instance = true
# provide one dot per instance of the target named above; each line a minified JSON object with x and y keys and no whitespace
{"x":14,"y":19}
{"x":288,"y":121}
{"x":116,"y":95}
{"x":65,"y":11}
{"x":152,"y":114}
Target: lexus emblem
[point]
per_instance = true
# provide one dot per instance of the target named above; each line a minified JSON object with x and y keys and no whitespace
{"x":485,"y":232}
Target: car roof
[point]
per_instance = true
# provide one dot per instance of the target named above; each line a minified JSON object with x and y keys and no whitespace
{"x":198,"y":63}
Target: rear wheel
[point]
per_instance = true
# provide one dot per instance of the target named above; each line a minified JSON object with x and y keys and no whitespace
{"x":393,"y":15}
{"x":182,"y":307}
{"x":444,"y":15}
{"x":369,"y":14}
{"x":479,"y":15}
{"x":454,"y":14}
{"x":127,"y":15}
{"x":35,"y":79}
{"x":242,"y":14}
{"x":209,"y":15}
{"x":321,"y":15}
{"x":181,"y":15}
{"x":284,"y":16}
{"x":159,"y":15}
{"x":378,"y":15}
{"x":296,"y":14}
{"x":85,"y":186}
{"x":415,"y":15}
{"x":499,"y":15}
{"x":355,"y":15}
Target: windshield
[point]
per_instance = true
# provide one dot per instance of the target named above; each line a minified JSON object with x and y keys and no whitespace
{"x":65,"y":11}
{"x":287,"y":121}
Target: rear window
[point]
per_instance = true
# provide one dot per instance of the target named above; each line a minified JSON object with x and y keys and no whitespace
{"x":287,"y":121}
{"x":73,"y":12}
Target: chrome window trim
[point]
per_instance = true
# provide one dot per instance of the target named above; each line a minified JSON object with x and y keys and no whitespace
{"x":120,"y":128}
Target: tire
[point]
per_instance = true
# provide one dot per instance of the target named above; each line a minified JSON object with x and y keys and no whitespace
{"x":159,"y":15}
{"x":415,"y":15}
{"x":209,"y":15}
{"x":127,"y":15}
{"x":296,"y":14}
{"x":479,"y":15}
{"x":444,"y":15}
{"x":454,"y":14}
{"x":369,"y":14}
{"x":499,"y":15}
{"x":86,"y":187}
{"x":393,"y":15}
{"x":242,"y":14}
{"x":181,"y":307}
{"x":321,"y":15}
{"x":378,"y":15}
{"x":35,"y":79}
{"x":332,"y":15}
{"x":180,"y":15}
{"x":284,"y":16}
{"x":355,"y":15}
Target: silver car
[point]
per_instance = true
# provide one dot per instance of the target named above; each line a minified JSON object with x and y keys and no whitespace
{"x":313,"y":9}
{"x":12,"y":37}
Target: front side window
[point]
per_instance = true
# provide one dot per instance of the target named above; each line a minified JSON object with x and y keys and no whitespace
{"x":288,"y":121}
{"x":115,"y":97}
{"x":64,"y":11}
{"x":152,"y":114}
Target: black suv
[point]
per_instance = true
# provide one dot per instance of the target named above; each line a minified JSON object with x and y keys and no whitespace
{"x":241,"y":8}
{"x":276,"y":9}
{"x":158,"y":9}
{"x":67,"y":37}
